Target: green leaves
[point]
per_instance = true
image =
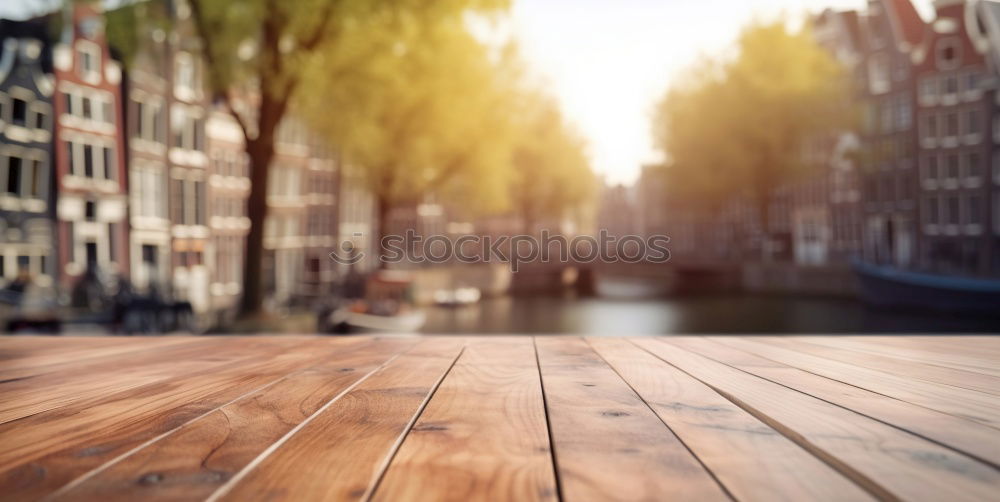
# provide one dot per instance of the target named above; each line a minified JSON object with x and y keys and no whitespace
{"x":736,"y":127}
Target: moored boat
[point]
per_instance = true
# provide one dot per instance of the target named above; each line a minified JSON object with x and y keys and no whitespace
{"x":889,"y":286}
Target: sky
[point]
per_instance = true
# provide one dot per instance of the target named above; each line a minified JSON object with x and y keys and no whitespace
{"x":609,"y":61}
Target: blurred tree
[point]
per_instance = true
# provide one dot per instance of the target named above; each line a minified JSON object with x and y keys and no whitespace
{"x":551,"y":170}
{"x":257,"y":55}
{"x":736,"y":127}
{"x":428,"y":114}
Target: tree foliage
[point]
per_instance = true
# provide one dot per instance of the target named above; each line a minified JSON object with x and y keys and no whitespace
{"x":265,"y":51}
{"x":551,"y":169}
{"x":735,"y":127}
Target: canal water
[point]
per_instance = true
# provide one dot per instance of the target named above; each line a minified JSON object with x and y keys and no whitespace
{"x":634,"y":309}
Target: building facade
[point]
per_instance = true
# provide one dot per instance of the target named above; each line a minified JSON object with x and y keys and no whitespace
{"x":957,"y":115}
{"x":27,"y":198}
{"x":147,"y":87}
{"x":89,"y":157}
{"x":229,"y":187}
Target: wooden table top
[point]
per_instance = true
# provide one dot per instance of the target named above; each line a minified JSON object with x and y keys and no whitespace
{"x":500,"y":418}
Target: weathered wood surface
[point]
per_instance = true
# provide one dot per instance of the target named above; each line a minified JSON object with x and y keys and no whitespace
{"x":500,"y":418}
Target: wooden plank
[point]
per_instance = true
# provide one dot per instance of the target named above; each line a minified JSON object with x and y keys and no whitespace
{"x":831,"y":349}
{"x":608,"y":444}
{"x":47,"y":355}
{"x":193,"y":461}
{"x":752,"y":460}
{"x":886,"y":461}
{"x":103,"y":376}
{"x":339,"y":453}
{"x":963,"y":403}
{"x":929,"y":352}
{"x":45,"y":451}
{"x":972,"y":438}
{"x":483,"y":434}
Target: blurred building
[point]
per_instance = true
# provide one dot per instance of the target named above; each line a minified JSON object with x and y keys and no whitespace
{"x":148,"y":86}
{"x":27,"y":198}
{"x":229,"y":187}
{"x":301,"y":200}
{"x":959,"y":129}
{"x":89,"y":152}
{"x":890,"y":30}
{"x":189,"y":164}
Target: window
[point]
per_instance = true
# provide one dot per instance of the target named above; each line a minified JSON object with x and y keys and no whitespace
{"x":90,"y":210}
{"x":88,"y":161}
{"x":952,"y":209}
{"x":951,"y":124}
{"x":950,"y":85}
{"x":19,"y":115}
{"x":973,"y":167}
{"x":88,"y":64}
{"x":951,"y":166}
{"x":996,"y":212}
{"x":177,"y":201}
{"x":904,"y":114}
{"x":188,"y":131}
{"x":933,"y":211}
{"x":199,"y":202}
{"x":109,"y":163}
{"x":141,"y":127}
{"x":974,"y":122}
{"x":112,"y":241}
{"x":974,"y":207}
{"x":68,"y":103}
{"x":878,"y":74}
{"x":928,"y":89}
{"x":40,"y":116}
{"x":886,"y":115}
{"x":971,"y":82}
{"x":108,"y":112}
{"x":14,"y":175}
{"x":996,"y":167}
{"x":948,"y":53}
{"x":149,"y":255}
{"x":70,"y":158}
{"x":36,"y":183}
{"x":929,"y":128}
{"x":87,"y":111}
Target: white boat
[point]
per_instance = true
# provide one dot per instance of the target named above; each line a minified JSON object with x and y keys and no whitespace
{"x":457,"y":297}
{"x":344,"y":320}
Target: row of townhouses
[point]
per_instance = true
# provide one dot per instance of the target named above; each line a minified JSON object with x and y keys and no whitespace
{"x":916,"y":186}
{"x":132,"y":172}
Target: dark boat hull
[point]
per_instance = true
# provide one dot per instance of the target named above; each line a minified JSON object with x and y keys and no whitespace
{"x":900,"y":288}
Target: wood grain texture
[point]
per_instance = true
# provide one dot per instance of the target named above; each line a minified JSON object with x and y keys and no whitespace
{"x":963,"y":403}
{"x":609,"y":445}
{"x":46,"y":451}
{"x":752,"y":460}
{"x":482,"y":436}
{"x":338,"y":454}
{"x":478,"y":418}
{"x":963,"y":435}
{"x":887,"y":461}
{"x":100,"y":376}
{"x":22,"y":358}
{"x":193,"y":461}
{"x":953,"y":353}
{"x":954,"y":377}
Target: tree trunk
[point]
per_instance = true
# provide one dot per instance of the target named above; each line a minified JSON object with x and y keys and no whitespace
{"x":384,"y":208}
{"x":261,"y":151}
{"x":260,"y":154}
